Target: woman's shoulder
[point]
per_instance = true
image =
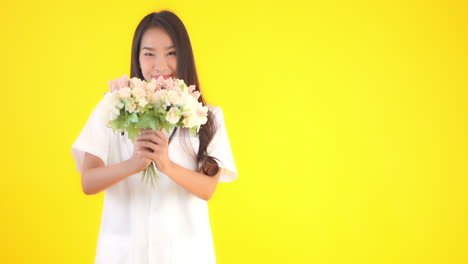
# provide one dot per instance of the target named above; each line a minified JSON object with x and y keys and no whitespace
{"x":217,"y":113}
{"x":215,"y":110}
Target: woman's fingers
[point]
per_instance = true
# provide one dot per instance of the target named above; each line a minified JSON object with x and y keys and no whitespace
{"x":153,"y":144}
{"x":156,"y":136}
{"x":147,"y":155}
{"x":146,"y":131}
{"x":150,"y":138}
{"x":147,"y":145}
{"x":161,"y":135}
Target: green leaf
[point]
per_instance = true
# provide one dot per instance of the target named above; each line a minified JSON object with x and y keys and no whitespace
{"x":133,"y":117}
{"x":154,"y":123}
{"x":145,"y":121}
{"x":126,"y":121}
{"x":181,"y":123}
{"x":162,"y":111}
{"x":193,"y":131}
{"x":116,"y":124}
{"x":133,"y":133}
{"x":168,"y":127}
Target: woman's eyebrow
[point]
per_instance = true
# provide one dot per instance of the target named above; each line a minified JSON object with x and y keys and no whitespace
{"x":152,"y":49}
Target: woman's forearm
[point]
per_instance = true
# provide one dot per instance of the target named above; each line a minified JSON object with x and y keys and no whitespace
{"x":95,"y":180}
{"x":199,"y":184}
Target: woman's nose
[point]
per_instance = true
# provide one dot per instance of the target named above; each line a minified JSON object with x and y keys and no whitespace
{"x":160,"y":64}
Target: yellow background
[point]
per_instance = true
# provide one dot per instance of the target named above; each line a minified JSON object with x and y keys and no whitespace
{"x":348,"y":122}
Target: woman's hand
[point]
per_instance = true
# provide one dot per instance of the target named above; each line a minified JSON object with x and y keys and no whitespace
{"x":154,"y":146}
{"x":138,"y":160}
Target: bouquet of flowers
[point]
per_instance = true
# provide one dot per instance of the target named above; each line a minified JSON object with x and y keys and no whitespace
{"x":135,"y":104}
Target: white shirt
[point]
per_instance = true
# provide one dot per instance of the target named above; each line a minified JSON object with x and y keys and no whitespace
{"x":166,"y":225}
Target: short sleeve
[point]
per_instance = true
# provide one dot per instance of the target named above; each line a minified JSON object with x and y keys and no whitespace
{"x":94,"y":138}
{"x":220,"y":148}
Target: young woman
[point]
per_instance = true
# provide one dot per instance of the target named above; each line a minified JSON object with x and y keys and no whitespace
{"x":169,"y":224}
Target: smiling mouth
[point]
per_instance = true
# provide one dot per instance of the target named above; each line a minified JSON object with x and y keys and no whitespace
{"x":164,"y":76}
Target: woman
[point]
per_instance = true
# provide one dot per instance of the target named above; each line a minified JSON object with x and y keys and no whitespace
{"x":169,"y":224}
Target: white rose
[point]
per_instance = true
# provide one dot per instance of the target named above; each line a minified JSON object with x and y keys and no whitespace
{"x":139,"y":92}
{"x":142,"y":102}
{"x":124,"y":92}
{"x":189,"y":103}
{"x":190,"y":120}
{"x":114,"y":114}
{"x":159,"y":96}
{"x":151,"y":86}
{"x":173,"y":116}
{"x":131,"y":106}
{"x":122,"y":82}
{"x":196,"y":94}
{"x":191,"y":88}
{"x":137,"y":83}
{"x":202,"y":114}
{"x":173,"y":97}
{"x":169,"y":83}
{"x":109,"y":107}
{"x":180,"y":82}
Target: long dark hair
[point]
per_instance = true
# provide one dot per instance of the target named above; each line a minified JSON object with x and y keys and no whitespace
{"x":185,"y":70}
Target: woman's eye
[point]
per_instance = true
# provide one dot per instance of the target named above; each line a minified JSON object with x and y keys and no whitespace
{"x":149,"y":54}
{"x":172,"y":53}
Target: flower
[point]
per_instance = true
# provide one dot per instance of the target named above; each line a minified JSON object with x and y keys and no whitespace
{"x":122,"y":82}
{"x":134,"y":104}
{"x":142,"y":102}
{"x":195,"y":94}
{"x":151,"y":86}
{"x":173,"y":97}
{"x":181,"y":84}
{"x":173,"y":116}
{"x":202,"y":114}
{"x":119,"y":83}
{"x":168,"y":83}
{"x":190,"y":120}
{"x":110,"y":107}
{"x":160,"y":82}
{"x":137,"y":83}
{"x":130,"y":106}
{"x":159,"y":96}
{"x":124,"y":92}
{"x":188,"y":103}
{"x":139,"y":92}
{"x":191,"y":88}
{"x":195,"y":116}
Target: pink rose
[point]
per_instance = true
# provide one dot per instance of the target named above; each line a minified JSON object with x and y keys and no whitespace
{"x":119,"y":83}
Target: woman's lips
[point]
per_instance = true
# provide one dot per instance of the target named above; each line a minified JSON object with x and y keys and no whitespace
{"x":164,"y":76}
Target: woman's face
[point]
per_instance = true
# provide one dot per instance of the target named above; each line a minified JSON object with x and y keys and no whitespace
{"x":157,"y":55}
